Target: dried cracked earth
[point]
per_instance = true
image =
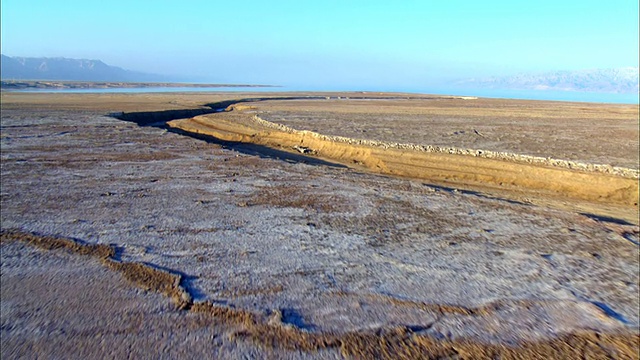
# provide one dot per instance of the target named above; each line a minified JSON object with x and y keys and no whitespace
{"x":138,"y":239}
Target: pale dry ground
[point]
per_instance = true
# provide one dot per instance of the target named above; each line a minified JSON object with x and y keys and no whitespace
{"x":331,"y":249}
{"x":58,"y":305}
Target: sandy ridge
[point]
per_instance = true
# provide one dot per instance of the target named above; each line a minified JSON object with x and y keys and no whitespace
{"x":527,"y":159}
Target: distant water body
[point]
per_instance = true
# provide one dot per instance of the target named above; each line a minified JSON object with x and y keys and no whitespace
{"x":579,"y":96}
{"x":553,"y":95}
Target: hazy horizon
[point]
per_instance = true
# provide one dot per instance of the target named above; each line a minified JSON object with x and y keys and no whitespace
{"x":357,"y":44}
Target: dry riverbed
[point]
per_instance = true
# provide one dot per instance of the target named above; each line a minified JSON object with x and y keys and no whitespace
{"x":275,"y":254}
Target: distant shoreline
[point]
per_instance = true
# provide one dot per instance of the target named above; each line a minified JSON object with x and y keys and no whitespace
{"x":56,"y":84}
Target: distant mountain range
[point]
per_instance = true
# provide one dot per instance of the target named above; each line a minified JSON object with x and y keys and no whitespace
{"x":619,"y":80}
{"x":29,"y":68}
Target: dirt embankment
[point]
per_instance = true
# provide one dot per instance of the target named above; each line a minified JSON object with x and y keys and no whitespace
{"x":586,"y":133}
{"x":486,"y":171}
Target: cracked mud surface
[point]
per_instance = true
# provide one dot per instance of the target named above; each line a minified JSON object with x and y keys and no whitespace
{"x":57,"y":304}
{"x":322,"y":249}
{"x":69,"y":297}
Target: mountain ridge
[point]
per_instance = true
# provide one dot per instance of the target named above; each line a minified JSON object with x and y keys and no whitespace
{"x":61,"y":68}
{"x":611,"y":80}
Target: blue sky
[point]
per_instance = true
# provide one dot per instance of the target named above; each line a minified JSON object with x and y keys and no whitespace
{"x":316,"y":43}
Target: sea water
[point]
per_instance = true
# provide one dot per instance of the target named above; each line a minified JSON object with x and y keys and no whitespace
{"x":552,"y":95}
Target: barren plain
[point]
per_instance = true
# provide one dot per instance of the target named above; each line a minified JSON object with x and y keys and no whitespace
{"x":156,"y":225}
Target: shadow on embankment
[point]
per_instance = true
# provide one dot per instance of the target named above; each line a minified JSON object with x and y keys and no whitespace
{"x":159,"y":119}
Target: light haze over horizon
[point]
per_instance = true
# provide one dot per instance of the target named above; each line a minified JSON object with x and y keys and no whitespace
{"x":362,"y":44}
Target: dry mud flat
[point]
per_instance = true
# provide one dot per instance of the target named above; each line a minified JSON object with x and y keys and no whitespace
{"x":601,"y":189}
{"x":271,"y":254}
